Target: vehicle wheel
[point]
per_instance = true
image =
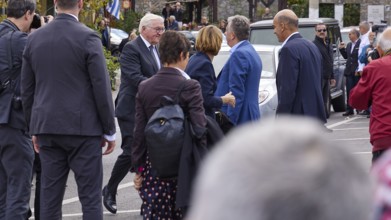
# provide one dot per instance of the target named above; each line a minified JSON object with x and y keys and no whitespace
{"x":339,"y":103}
{"x":328,"y":107}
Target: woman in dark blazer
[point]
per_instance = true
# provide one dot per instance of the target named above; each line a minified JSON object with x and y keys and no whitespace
{"x":158,"y":194}
{"x":200,"y":68}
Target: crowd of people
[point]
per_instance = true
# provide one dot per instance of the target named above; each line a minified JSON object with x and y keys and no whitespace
{"x":60,"y":106}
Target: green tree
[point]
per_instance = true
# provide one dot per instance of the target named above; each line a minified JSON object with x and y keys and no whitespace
{"x":351,"y":14}
{"x":300,"y":7}
{"x":326,"y":10}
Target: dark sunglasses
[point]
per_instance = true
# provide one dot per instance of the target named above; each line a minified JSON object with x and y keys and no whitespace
{"x":321,"y":30}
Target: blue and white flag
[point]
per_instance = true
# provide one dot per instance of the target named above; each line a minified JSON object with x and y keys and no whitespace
{"x":113,"y":8}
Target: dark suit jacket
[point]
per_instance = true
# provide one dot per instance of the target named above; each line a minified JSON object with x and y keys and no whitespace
{"x":8,"y":115}
{"x":65,"y":84}
{"x":165,"y":82}
{"x":137,"y":64}
{"x":299,"y":79}
{"x":173,"y":26}
{"x":201,"y":69}
{"x":351,"y":57}
{"x":241,"y":75}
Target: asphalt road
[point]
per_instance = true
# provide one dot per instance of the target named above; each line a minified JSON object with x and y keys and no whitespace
{"x":350,"y":132}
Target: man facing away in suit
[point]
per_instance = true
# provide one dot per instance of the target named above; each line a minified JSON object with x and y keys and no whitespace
{"x":68,"y":105}
{"x":350,"y":53}
{"x":139,"y":60}
{"x":241,"y":74}
{"x":16,"y":150}
{"x":299,"y":70}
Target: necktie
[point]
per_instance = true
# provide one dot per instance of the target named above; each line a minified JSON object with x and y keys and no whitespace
{"x":151,"y":48}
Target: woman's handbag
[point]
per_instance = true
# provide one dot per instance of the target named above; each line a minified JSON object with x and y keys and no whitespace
{"x":224,"y":122}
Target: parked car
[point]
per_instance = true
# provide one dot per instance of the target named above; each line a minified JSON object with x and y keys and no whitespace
{"x":192,"y":36}
{"x":262,"y":32}
{"x":116,"y":37}
{"x":267,"y":87}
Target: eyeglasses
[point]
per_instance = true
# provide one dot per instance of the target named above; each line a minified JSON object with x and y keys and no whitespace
{"x":321,"y":30}
{"x":158,"y":30}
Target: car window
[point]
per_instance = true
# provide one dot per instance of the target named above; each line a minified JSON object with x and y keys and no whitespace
{"x":267,"y":36}
{"x":268,"y":67}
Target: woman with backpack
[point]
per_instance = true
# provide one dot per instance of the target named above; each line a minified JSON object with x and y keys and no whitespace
{"x":158,"y":193}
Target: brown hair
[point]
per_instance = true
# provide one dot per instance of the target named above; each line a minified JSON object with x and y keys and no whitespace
{"x":172,"y":45}
{"x":209,"y":40}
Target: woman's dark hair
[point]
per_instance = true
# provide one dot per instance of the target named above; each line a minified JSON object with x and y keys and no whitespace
{"x":17,"y":8}
{"x":171,"y":45}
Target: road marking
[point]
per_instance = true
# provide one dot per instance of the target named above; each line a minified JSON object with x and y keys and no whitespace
{"x":345,"y":129}
{"x":76,"y":199}
{"x":350,"y":139}
{"x":341,"y":122}
{"x":363,"y":152}
{"x":104,"y":213}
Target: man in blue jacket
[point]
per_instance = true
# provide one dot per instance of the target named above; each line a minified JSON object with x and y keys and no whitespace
{"x":299,"y":70}
{"x":241,"y":74}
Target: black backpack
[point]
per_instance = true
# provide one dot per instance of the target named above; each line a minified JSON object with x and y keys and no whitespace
{"x":164,"y":136}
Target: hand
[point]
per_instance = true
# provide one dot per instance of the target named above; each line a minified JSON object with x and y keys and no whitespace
{"x":229,"y":99}
{"x":110,"y":146}
{"x":35,"y":143}
{"x":333,"y":82}
{"x":138,"y":181}
{"x":341,"y":45}
{"x":358,"y":73}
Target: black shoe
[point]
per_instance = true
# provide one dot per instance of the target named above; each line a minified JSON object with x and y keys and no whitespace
{"x":364,"y":113}
{"x":348,"y":113}
{"x":109,"y":201}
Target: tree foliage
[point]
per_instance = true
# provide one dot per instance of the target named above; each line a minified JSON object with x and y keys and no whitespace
{"x":351,"y":14}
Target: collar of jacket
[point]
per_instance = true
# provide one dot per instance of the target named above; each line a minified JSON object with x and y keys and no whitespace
{"x":321,"y":40}
{"x":10,"y":24}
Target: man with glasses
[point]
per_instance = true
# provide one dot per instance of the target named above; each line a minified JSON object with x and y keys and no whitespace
{"x":16,"y":150}
{"x":326,"y":50}
{"x":139,"y":60}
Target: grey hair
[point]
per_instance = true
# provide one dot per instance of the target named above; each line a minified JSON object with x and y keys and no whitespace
{"x":147,"y":20}
{"x":277,"y":170}
{"x":240,"y":26}
{"x":366,"y":25}
{"x":385,"y":42}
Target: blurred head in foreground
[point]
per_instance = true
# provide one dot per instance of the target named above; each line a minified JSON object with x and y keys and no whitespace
{"x":281,"y":169}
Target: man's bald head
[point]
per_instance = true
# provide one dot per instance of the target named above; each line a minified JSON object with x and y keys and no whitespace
{"x":285,"y":23}
{"x":384,"y":45}
{"x":288,"y":17}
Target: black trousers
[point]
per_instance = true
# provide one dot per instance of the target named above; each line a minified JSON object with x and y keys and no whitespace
{"x":83,"y":155}
{"x":351,"y":82}
{"x":325,"y":93}
{"x":16,"y":164}
{"x":123,"y":163}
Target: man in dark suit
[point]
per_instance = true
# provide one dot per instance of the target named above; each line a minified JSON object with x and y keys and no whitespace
{"x":16,"y":150}
{"x":299,"y":70}
{"x":173,"y":24}
{"x":350,"y":53}
{"x":139,"y":60}
{"x":69,"y":108}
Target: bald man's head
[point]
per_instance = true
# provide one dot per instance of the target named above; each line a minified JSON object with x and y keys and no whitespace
{"x":285,"y":23}
{"x":384,"y":45}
